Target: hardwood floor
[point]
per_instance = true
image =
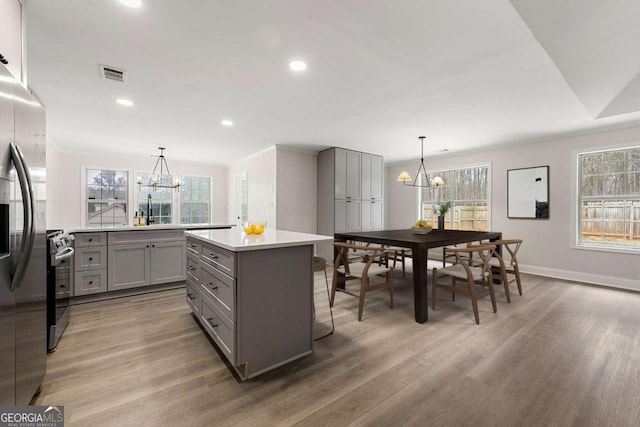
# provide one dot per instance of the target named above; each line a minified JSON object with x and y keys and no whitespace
{"x":563,"y":354}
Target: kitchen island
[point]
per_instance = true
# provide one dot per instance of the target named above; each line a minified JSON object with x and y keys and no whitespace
{"x":253,"y":294}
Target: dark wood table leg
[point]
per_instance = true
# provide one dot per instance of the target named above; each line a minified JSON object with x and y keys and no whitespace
{"x":420,"y":294}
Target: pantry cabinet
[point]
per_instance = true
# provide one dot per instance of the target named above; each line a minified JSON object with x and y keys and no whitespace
{"x":350,"y":193}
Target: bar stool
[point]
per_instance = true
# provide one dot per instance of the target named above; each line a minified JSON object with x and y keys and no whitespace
{"x":320,"y":264}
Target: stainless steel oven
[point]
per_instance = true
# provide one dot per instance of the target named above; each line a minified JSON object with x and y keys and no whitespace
{"x":60,"y":256}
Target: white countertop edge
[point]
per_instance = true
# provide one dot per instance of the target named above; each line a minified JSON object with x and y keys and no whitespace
{"x":149,"y":228}
{"x":236,"y":240}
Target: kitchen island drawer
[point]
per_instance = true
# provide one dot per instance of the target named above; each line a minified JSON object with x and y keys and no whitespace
{"x":219,"y":258}
{"x":86,"y":240}
{"x":90,"y":258}
{"x":193,"y":267}
{"x":219,"y":327}
{"x":193,"y":297}
{"x":220,"y":288}
{"x":193,"y":247}
{"x":90,"y":282}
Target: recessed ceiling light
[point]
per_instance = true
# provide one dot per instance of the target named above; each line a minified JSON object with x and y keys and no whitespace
{"x":125,"y":102}
{"x":298,"y":65}
{"x":226,"y":123}
{"x":131,"y":3}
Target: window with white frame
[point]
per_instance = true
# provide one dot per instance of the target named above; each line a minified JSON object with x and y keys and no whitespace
{"x":468,"y":191}
{"x":107,"y":195}
{"x":609,"y":198}
{"x":195,"y":200}
{"x":190,"y":205}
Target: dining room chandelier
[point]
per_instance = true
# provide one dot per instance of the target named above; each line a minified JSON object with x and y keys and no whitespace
{"x":405,"y":178}
{"x":161,"y":177}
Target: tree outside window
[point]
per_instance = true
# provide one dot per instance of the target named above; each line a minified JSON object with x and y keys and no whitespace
{"x":467,"y":189}
{"x":106,"y":198}
{"x":609,"y":198}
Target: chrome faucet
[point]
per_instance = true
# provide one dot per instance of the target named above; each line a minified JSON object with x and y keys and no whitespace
{"x":150,"y":219}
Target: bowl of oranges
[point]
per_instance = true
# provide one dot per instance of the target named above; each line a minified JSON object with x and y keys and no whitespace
{"x":251,"y":228}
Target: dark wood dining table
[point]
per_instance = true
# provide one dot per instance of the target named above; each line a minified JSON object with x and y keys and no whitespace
{"x":419,"y":245}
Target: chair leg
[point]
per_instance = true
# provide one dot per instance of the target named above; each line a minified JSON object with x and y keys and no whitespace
{"x":505,"y":282}
{"x":453,"y":284}
{"x":492,"y":293}
{"x":474,"y":301}
{"x":363,"y":286}
{"x":517,"y":273}
{"x":434,"y":280}
{"x":403,"y":268}
{"x":390,"y":281}
{"x":334,"y":284}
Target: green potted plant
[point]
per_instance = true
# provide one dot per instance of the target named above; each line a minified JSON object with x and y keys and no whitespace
{"x":441,"y":210}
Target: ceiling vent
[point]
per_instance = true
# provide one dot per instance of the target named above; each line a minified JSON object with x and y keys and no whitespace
{"x":112,"y":73}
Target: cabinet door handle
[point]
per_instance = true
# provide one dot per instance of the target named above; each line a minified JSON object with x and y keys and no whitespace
{"x":211,"y":286}
{"x":90,"y":258}
{"x":62,"y":286}
{"x":91,"y":282}
{"x":91,"y":240}
{"x":213,"y":256}
{"x":147,"y":245}
{"x":191,"y":296}
{"x":153,"y":246}
{"x":213,"y":325}
{"x":190,"y":267}
{"x":191,"y":246}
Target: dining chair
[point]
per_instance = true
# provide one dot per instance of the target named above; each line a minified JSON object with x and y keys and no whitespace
{"x":464,"y":271}
{"x":508,"y":266}
{"x":397,"y":253}
{"x":372,"y":265}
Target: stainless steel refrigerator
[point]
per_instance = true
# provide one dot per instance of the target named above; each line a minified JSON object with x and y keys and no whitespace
{"x":23,"y":292}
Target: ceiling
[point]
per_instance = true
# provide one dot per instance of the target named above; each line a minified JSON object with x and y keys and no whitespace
{"x":466,"y":74}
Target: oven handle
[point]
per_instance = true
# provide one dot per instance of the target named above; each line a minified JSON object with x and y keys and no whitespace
{"x":64,"y":254}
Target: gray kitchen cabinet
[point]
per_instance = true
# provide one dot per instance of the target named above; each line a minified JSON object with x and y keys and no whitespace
{"x":372,"y":214}
{"x":129,"y":266}
{"x":167,"y":262}
{"x":254,"y":304}
{"x":90,"y":264}
{"x":145,"y":258}
{"x":350,"y":193}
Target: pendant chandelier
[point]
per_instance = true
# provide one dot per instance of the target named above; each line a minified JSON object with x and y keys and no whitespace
{"x":161,"y":178}
{"x":404,"y":177}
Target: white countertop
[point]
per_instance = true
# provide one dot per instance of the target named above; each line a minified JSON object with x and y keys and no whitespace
{"x":149,"y":227}
{"x":236,"y":240}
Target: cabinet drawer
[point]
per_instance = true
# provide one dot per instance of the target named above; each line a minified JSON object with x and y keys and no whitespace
{"x":219,"y":258}
{"x":193,"y":297}
{"x":86,"y":240}
{"x":219,"y":327}
{"x":193,"y":267}
{"x":90,"y":282}
{"x":193,"y":247}
{"x":91,"y":258}
{"x":220,"y":288}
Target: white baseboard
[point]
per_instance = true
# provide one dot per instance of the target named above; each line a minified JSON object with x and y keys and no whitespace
{"x":596,"y":279}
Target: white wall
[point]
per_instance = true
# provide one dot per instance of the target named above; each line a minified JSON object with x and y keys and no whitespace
{"x":261,"y":184}
{"x":64,"y":180}
{"x":549,"y":245}
{"x":297,"y":184}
